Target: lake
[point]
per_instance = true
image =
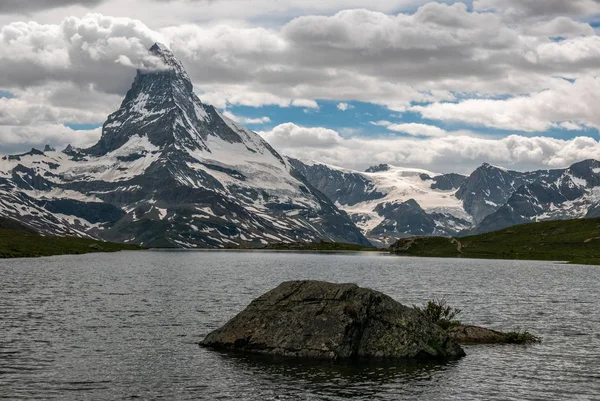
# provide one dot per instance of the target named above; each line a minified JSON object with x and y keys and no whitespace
{"x":126,"y":325}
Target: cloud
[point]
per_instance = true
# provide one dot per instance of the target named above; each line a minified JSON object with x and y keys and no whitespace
{"x":562,"y":27}
{"x":160,"y":13}
{"x":307,"y":103}
{"x":391,"y":60}
{"x":88,"y":52}
{"x":19,"y":138}
{"x":246,"y":120}
{"x":344,"y":106}
{"x":415,"y":129}
{"x":52,"y":105}
{"x":565,"y":104}
{"x":259,"y":120}
{"x":294,"y":136}
{"x":382,"y":123}
{"x":442,"y":60}
{"x":540,"y":8}
{"x":17,"y":6}
{"x":443,"y":154}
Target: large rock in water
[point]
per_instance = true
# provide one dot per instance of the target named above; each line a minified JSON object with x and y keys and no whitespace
{"x":332,"y":321}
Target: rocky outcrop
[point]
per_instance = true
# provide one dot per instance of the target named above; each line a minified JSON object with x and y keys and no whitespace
{"x":470,"y":335}
{"x":475,"y":335}
{"x":332,"y":321}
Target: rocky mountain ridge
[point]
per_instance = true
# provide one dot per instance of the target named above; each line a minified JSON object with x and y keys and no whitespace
{"x":389,"y":202}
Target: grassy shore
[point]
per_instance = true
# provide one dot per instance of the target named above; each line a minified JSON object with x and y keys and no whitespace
{"x":22,"y":244}
{"x":574,"y":241}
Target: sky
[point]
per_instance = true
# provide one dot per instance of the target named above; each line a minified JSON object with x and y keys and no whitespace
{"x":444,"y":86}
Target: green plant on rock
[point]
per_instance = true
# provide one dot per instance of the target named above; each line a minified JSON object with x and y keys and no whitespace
{"x":438,"y":311}
{"x":521,"y":337}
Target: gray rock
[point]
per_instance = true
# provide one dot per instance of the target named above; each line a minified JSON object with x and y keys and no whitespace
{"x":322,"y":320}
{"x":470,"y":335}
{"x":448,"y":182}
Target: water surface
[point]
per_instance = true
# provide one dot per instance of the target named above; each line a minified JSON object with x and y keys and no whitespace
{"x":126,"y":325}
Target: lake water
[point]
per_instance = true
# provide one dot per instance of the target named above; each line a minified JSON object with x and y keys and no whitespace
{"x":126,"y":325}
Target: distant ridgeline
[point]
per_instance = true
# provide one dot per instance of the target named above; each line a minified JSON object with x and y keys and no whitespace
{"x":388,"y":203}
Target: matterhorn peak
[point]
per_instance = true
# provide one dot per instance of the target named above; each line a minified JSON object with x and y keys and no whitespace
{"x":167,"y":57}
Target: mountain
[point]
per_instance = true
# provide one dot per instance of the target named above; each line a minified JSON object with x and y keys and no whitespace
{"x":489,"y":187}
{"x":170,"y":171}
{"x":388,"y":202}
{"x":555,"y":195}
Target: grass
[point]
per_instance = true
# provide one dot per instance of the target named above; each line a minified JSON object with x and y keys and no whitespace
{"x":521,"y":337}
{"x":574,"y":241}
{"x":22,"y":244}
{"x":438,"y":311}
{"x":319,"y":246}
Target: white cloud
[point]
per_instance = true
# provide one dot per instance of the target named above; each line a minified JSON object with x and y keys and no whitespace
{"x":413,"y":129}
{"x":382,"y":123}
{"x":294,"y":136}
{"x":18,"y":138}
{"x":392,"y":60}
{"x":247,"y":120}
{"x":259,"y":120}
{"x":95,"y":50}
{"x":444,"y":154}
{"x":307,"y":103}
{"x":563,"y":102}
{"x":417,"y":129}
{"x":51,"y":104}
{"x":344,"y":106}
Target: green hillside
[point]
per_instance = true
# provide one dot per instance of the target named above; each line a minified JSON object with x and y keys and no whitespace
{"x":17,"y":243}
{"x":575,"y":241}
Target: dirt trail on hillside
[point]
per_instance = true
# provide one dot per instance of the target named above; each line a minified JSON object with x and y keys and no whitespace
{"x":458,"y":245}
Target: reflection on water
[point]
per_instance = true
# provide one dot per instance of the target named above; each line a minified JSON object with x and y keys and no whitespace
{"x":126,"y":325}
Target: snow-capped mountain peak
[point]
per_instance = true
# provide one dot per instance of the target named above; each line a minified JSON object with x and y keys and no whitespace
{"x":172,"y":171}
{"x":170,"y":61}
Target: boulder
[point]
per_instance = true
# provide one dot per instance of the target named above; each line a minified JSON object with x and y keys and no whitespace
{"x":323,"y":320}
